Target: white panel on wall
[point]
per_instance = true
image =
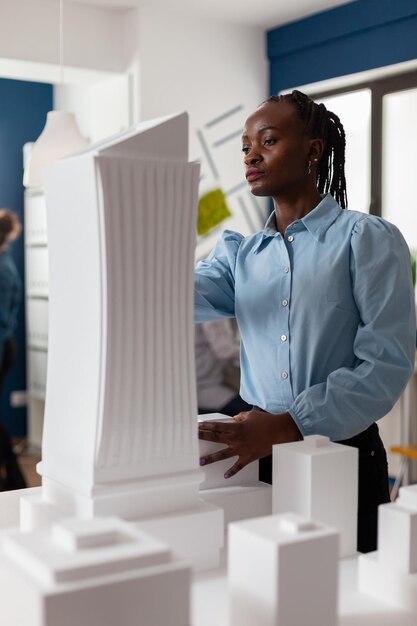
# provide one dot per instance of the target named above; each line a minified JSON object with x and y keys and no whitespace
{"x":116,"y":115}
{"x":35,"y":220}
{"x":37,"y":276}
{"x":37,"y":372}
{"x":37,"y":323}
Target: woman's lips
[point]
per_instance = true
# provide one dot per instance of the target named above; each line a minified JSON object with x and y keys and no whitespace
{"x":252,"y":174}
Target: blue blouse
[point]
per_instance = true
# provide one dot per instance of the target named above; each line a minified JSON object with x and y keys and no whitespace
{"x":326,"y":315}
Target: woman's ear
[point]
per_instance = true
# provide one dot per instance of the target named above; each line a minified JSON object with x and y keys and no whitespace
{"x":316,"y":149}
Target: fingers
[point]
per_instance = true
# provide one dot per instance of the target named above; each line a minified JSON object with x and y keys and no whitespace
{"x":215,"y":426}
{"x":218,"y":432}
{"x":239,"y":465}
{"x":214,"y":436}
{"x":220,"y":455}
{"x":241,"y":417}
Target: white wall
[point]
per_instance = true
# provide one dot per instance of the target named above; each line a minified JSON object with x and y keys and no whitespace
{"x":93,"y":36}
{"x":164,"y":60}
{"x":208,"y":68}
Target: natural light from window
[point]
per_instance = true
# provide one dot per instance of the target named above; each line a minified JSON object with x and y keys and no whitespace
{"x":399,"y":162}
{"x":354,"y":110}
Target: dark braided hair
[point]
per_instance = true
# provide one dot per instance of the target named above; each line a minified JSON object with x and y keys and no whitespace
{"x":325,"y":125}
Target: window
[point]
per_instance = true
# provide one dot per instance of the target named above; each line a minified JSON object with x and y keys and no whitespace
{"x":381,"y":160}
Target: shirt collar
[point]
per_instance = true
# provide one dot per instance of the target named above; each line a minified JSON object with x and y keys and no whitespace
{"x":316,"y":222}
{"x":319,"y":220}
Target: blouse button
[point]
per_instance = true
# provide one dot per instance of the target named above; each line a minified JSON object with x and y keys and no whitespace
{"x":284,"y":375}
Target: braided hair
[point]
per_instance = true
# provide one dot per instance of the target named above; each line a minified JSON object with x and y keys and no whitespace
{"x":321,"y":123}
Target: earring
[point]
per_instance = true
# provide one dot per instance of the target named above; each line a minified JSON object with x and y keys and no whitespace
{"x":309,"y":167}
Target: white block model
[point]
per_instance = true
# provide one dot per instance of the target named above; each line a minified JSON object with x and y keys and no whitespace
{"x":242,"y":496}
{"x":318,"y":479}
{"x":283,"y":570}
{"x":90,"y":572}
{"x":390,"y":573}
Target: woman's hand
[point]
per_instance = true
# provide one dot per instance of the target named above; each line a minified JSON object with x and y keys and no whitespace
{"x":249,"y":435}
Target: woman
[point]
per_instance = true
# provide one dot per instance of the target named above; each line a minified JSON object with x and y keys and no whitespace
{"x":10,"y":294}
{"x":323,"y":299}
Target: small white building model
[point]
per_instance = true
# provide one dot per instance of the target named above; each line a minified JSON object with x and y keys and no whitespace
{"x":97,"y":572}
{"x":241,"y":496}
{"x":318,"y":479}
{"x":390,"y":573}
{"x":282,"y":570}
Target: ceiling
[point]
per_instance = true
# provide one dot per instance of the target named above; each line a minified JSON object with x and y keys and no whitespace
{"x":263,"y":13}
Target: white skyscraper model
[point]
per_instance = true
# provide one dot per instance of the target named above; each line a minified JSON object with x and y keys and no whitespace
{"x":318,"y":479}
{"x":120,"y":435}
{"x":390,"y":573}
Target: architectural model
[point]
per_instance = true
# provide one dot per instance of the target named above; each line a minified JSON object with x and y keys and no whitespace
{"x":120,"y":434}
{"x":273,"y":565}
{"x":91,"y":572}
{"x":390,"y":573}
{"x":318,"y":479}
{"x":241,"y":496}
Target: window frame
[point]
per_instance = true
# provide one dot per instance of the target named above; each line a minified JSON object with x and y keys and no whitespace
{"x":378,"y":88}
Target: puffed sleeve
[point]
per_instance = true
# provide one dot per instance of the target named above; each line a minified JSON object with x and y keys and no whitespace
{"x":353,"y":398}
{"x":215,"y":280}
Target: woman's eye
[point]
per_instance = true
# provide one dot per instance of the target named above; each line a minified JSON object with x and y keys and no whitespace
{"x":269,"y":141}
{"x":245,"y":149}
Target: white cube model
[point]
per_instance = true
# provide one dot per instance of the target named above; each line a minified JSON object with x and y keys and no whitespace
{"x":93,"y":572}
{"x":390,"y":573}
{"x":241,"y":496}
{"x":282,"y":571}
{"x":318,"y":479}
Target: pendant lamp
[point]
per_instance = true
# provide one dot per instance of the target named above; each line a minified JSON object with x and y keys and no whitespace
{"x":60,"y":137}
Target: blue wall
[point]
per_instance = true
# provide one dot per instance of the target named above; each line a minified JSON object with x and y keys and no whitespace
{"x":351,"y":38}
{"x":23,"y":109}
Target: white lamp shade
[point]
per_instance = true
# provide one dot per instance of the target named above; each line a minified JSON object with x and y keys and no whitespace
{"x":60,"y":137}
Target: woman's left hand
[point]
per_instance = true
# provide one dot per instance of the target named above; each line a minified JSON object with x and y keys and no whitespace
{"x":249,"y":436}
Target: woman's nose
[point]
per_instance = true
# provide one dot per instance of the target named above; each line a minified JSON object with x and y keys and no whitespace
{"x":251,"y":158}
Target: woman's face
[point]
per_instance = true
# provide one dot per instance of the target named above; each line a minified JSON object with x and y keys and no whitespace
{"x":276,"y":150}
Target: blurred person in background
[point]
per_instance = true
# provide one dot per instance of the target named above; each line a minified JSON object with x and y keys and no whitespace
{"x":10,"y":295}
{"x":217,"y":368}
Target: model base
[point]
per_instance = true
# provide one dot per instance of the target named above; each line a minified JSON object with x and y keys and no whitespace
{"x":241,"y":502}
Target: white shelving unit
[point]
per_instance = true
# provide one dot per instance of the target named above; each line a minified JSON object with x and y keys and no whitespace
{"x":37,"y":292}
